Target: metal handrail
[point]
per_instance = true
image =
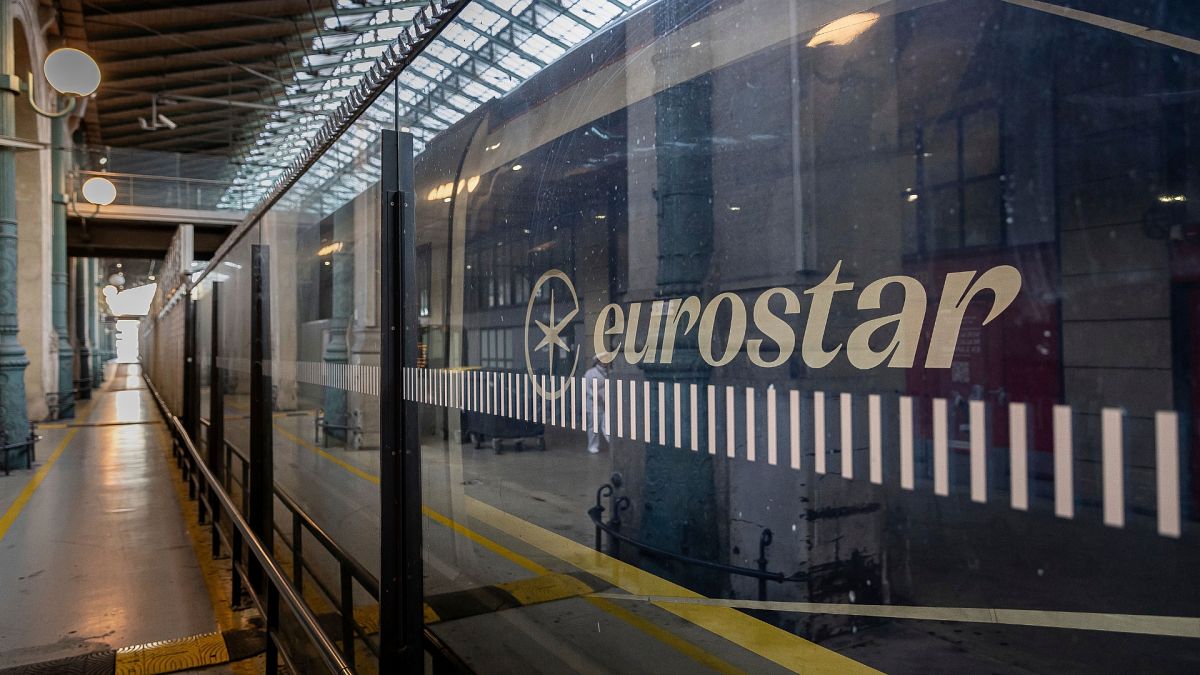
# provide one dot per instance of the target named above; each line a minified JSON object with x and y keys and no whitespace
{"x":308,"y":622}
{"x":699,"y":562}
{"x":445,"y":659}
{"x":177,"y":179}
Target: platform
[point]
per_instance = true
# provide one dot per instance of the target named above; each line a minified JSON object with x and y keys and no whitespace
{"x":94,"y":550}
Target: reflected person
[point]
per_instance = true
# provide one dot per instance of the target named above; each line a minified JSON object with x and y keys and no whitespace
{"x":598,"y":373}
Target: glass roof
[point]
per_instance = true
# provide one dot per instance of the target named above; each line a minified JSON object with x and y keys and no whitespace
{"x":490,"y":48}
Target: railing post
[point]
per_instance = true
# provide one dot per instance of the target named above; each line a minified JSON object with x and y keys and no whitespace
{"x":272,"y":617}
{"x":347,"y":615}
{"x":297,"y":553}
{"x":216,"y":414}
{"x":401,"y":620}
{"x":763,"y":542}
{"x":262,"y":482}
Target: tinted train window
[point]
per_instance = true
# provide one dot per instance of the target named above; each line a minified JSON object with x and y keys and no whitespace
{"x":835,"y":336}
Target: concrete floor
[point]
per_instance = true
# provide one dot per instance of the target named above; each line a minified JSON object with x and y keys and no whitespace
{"x":99,"y":556}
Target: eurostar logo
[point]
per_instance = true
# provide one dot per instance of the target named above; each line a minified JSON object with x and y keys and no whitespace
{"x":552,"y":329}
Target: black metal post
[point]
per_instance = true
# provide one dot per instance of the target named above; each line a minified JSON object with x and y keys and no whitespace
{"x":216,"y":412}
{"x":400,"y":613}
{"x":262,"y":483}
{"x":191,"y":402}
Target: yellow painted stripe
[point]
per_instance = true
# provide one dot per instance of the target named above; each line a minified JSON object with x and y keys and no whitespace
{"x":214,"y":582}
{"x":775,"y":644}
{"x":665,"y":636}
{"x":326,"y":455}
{"x":545,"y":588}
{"x":14,"y":510}
{"x":170,"y":656}
{"x":1144,"y":624}
{"x":431,"y":616}
{"x":780,"y":646}
{"x":511,"y":556}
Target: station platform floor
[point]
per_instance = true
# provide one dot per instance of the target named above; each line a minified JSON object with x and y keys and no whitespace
{"x":94,"y":549}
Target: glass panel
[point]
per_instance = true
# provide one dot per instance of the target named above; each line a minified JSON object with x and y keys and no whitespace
{"x":887,"y":307}
{"x":322,"y":240}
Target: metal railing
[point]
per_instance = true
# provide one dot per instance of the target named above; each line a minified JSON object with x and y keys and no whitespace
{"x":277,"y":587}
{"x":613,"y":529}
{"x":350,"y":570}
{"x":198,"y":475}
{"x":167,"y":192}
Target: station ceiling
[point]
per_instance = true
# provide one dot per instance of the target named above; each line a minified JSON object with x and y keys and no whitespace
{"x":251,"y":80}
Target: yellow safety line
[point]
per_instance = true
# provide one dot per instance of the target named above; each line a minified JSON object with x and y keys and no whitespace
{"x":171,"y":656}
{"x":14,"y":509}
{"x":336,"y":460}
{"x":1143,"y":624}
{"x":782,"y":647}
{"x":10,"y":516}
{"x":775,"y":644}
{"x":214,"y":582}
{"x":667,"y":637}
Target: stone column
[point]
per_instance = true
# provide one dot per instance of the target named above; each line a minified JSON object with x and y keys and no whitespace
{"x":337,"y":350}
{"x":680,"y":511}
{"x":58,"y":274}
{"x":83,"y":372}
{"x":94,"y":324}
{"x":13,"y":415}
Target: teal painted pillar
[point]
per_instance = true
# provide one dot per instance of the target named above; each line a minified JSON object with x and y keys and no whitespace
{"x":680,"y":512}
{"x":58,"y":272}
{"x":83,"y":350}
{"x":13,"y":415}
{"x":337,"y":350}
{"x":94,"y":324}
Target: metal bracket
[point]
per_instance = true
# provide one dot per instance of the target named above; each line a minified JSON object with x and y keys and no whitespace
{"x":10,"y":83}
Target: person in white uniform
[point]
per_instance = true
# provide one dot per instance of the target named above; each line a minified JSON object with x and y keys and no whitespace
{"x":598,"y":373}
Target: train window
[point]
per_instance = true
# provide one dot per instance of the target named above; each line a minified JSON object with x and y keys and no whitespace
{"x":838,"y":336}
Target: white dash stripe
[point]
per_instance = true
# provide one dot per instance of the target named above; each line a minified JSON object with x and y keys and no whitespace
{"x":772,"y":428}
{"x":1166,"y":467}
{"x":750,"y":449}
{"x":794,"y":414}
{"x":583,"y":412}
{"x":1018,"y":462}
{"x":1113,"y":467}
{"x":694,"y":427}
{"x":730,"y":424}
{"x":847,"y":427}
{"x":819,"y":430}
{"x":633,"y":411}
{"x":711,"y":414}
{"x":941,"y":448}
{"x":678,"y":416}
{"x":607,"y":411}
{"x":571,"y":395}
{"x":646,"y":411}
{"x":1064,"y":482}
{"x":595,"y":405}
{"x":978,"y":414}
{"x":662,"y":413}
{"x":563,"y":399}
{"x":542,"y":395}
{"x":620,"y":385}
{"x":875,"y":437}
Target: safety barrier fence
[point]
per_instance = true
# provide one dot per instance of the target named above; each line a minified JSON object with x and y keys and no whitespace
{"x":252,"y":560}
{"x":350,"y":570}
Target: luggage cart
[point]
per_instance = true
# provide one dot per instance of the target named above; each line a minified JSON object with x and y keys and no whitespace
{"x":495,"y":431}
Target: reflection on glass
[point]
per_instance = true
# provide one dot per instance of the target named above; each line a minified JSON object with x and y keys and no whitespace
{"x":888,"y":308}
